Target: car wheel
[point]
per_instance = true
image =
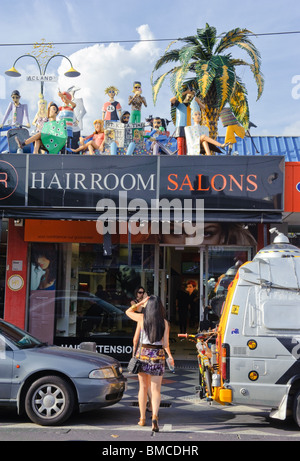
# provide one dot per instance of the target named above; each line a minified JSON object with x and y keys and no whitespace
{"x":49,"y":401}
{"x":296,"y":408}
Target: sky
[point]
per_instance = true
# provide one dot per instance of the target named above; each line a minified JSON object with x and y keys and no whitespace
{"x":119,"y":42}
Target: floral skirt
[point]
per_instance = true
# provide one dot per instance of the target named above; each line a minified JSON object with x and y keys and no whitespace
{"x":152,"y":361}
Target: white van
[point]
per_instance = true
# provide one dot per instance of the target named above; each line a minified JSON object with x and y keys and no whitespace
{"x":258,"y":337}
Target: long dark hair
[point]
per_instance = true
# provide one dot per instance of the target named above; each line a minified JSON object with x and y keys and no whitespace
{"x":154,"y":319}
{"x":48,"y":251}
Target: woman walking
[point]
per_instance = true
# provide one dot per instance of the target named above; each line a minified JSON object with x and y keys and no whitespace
{"x":153,"y":330}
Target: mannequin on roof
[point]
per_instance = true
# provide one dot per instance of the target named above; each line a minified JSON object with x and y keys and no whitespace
{"x":136,"y":102}
{"x":42,"y":114}
{"x":197,"y":138}
{"x":111,"y":109}
{"x":17,"y":111}
{"x":79,"y":113}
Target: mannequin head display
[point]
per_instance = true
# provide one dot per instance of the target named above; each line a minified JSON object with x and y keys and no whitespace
{"x":111,"y":91}
{"x":66,"y":97}
{"x":15,"y":96}
{"x":52,"y":111}
{"x":125,"y":117}
{"x":99,"y":126}
{"x":137,"y":88}
{"x":196,"y":116}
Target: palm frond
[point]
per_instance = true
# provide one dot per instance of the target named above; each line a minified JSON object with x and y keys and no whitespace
{"x":239,"y":62}
{"x":169,"y":56}
{"x":170,"y":44}
{"x":258,"y":76}
{"x":179,"y":75}
{"x":207,"y":66}
{"x":173,"y":114}
{"x":231,"y":38}
{"x":199,"y":50}
{"x":207,"y":37}
{"x":239,"y":104}
{"x":252,"y":52}
{"x":224,"y":80}
{"x":191,"y":39}
{"x":158,"y":83}
{"x":177,"y":79}
{"x":206,"y":73}
{"x":187,"y":53}
{"x":240,"y":37}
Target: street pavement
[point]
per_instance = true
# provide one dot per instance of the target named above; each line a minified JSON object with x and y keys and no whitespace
{"x":182,"y":417}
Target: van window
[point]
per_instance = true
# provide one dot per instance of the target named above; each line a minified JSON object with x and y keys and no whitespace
{"x":281,"y":314}
{"x":270,"y":311}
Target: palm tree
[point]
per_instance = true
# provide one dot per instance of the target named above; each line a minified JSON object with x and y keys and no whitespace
{"x":205,"y":65}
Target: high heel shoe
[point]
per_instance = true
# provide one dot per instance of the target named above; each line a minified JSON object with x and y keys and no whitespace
{"x":223,"y":146}
{"x":155,"y":427}
{"x":142,"y":422}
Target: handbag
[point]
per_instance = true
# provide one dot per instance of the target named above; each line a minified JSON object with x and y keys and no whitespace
{"x":134,"y":364}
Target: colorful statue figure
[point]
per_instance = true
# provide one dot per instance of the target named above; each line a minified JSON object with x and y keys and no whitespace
{"x":183,"y":117}
{"x":158,"y":138}
{"x":79,"y":113}
{"x":136,"y":102}
{"x":93,"y":142}
{"x":66,"y":112}
{"x":53,"y":136}
{"x":17,"y":111}
{"x":137,"y":145}
{"x":42,"y":114}
{"x":125,"y":117}
{"x":197,"y":137}
{"x":232,"y":127}
{"x":111,"y":109}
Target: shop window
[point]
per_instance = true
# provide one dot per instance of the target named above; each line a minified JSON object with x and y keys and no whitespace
{"x":3,"y":249}
{"x":87,"y":294}
{"x":43,"y":290}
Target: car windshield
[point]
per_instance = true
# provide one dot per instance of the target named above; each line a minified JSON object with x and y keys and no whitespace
{"x":18,"y":337}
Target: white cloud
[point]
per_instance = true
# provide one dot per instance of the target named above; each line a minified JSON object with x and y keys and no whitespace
{"x":100,"y":65}
{"x":292,"y":130}
{"x":112,"y":64}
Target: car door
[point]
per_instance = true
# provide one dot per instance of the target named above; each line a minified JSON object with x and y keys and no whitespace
{"x":6,"y":366}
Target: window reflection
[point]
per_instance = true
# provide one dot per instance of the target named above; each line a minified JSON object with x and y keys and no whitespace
{"x":91,"y":292}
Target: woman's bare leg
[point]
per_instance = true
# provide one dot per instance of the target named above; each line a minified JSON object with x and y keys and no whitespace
{"x":33,"y":138}
{"x":205,"y":141}
{"x":206,"y":147}
{"x":144,"y":381}
{"x":37,"y":145}
{"x":92,"y":146}
{"x":155,"y":393}
{"x":80,"y":148}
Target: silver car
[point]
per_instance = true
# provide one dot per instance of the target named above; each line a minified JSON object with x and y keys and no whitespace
{"x":49,"y":382}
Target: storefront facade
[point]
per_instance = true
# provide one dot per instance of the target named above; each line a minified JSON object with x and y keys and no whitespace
{"x":85,"y":232}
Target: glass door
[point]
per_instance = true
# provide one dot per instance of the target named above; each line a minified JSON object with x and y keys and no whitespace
{"x":203,"y":272}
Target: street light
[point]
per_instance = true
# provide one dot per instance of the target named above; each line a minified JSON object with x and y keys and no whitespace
{"x":13,"y":72}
